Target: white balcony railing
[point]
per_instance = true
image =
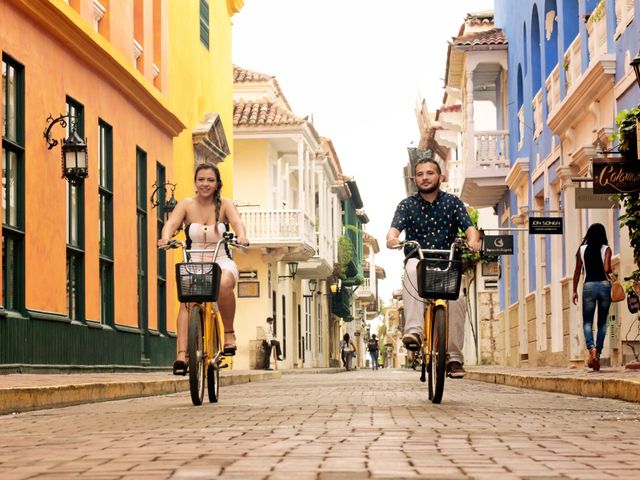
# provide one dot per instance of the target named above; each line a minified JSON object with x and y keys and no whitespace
{"x":573,"y":63}
{"x":492,"y":149}
{"x":364,"y":290}
{"x":278,"y":226}
{"x":325,"y":249}
{"x":537,"y":114}
{"x":552,"y":84}
{"x":597,"y":31}
{"x":521,"y":128}
{"x":624,"y":15}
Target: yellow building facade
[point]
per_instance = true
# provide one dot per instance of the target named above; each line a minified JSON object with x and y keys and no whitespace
{"x":82,"y":279}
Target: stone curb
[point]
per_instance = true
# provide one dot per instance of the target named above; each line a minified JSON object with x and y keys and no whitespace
{"x":617,"y":389}
{"x":23,"y":399}
{"x":297,"y":371}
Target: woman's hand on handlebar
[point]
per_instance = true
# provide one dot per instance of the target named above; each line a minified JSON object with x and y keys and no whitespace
{"x":166,"y":244}
{"x":242,"y":241}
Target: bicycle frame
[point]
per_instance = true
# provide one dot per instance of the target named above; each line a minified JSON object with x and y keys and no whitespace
{"x":431,"y":304}
{"x":436,"y":316}
{"x":210,"y":309}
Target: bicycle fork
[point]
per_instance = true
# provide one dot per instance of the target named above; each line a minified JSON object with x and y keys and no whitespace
{"x":427,"y":343}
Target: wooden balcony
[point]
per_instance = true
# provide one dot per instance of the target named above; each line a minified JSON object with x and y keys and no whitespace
{"x":289,"y":231}
{"x":484,"y":175}
{"x":364,"y":292}
{"x":319,"y":266}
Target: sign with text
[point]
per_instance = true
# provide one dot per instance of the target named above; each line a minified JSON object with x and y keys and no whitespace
{"x":251,"y":274}
{"x":545,"y":225}
{"x":585,"y":198}
{"x":498,"y":244}
{"x":616,"y":176}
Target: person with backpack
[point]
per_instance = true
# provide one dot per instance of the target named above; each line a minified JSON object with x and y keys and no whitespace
{"x":373,"y":351}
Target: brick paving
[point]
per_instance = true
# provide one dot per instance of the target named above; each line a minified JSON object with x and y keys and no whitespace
{"x":355,"y":425}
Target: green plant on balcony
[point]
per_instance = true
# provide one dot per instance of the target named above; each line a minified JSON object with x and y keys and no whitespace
{"x":597,"y":13}
{"x":345,"y":255}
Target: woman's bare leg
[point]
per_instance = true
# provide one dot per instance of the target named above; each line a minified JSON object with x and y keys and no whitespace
{"x":183,"y":322}
{"x":227,"y":305}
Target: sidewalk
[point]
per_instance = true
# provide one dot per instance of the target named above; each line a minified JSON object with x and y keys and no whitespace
{"x":610,"y":382}
{"x":33,"y":391}
{"x":21,"y":392}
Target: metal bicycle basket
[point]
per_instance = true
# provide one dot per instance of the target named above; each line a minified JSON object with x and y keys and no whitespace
{"x":198,"y":281}
{"x":439,"y":278}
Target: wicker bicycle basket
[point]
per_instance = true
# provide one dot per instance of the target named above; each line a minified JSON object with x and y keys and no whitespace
{"x":439,"y":278}
{"x":198,"y":281}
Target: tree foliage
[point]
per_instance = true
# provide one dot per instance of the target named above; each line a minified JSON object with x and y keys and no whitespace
{"x":626,"y":134}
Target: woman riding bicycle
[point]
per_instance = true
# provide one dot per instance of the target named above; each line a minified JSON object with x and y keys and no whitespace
{"x":432,"y":218}
{"x":204,"y":216}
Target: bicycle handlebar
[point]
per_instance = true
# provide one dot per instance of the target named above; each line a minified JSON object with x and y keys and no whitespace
{"x":458,"y":244}
{"x":228,"y":238}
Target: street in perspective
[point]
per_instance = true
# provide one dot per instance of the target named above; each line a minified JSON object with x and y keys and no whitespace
{"x":321,"y":239}
{"x":360,"y":424}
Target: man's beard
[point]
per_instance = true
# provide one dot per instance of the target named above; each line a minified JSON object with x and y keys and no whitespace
{"x":430,"y":189}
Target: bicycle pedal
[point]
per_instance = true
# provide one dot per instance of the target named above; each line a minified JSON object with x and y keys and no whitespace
{"x":223,"y":365}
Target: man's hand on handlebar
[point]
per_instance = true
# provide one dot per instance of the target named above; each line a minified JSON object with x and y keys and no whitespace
{"x":474,"y":245}
{"x":393,"y":243}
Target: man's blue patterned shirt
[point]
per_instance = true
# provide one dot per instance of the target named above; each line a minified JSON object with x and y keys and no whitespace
{"x":434,"y":225}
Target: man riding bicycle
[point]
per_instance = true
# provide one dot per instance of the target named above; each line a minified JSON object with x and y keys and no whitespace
{"x":432,"y":218}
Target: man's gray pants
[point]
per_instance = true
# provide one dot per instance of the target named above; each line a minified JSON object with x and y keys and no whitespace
{"x":414,"y":312}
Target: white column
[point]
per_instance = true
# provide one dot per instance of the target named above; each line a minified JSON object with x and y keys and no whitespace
{"x":469,"y":154}
{"x":523,"y":348}
{"x":301,"y":186}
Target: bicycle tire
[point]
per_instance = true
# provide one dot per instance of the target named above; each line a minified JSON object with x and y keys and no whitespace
{"x":213,"y":371}
{"x":438,"y":353}
{"x":195,"y":349}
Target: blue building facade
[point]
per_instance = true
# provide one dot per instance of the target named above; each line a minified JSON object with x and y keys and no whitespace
{"x":568,"y":76}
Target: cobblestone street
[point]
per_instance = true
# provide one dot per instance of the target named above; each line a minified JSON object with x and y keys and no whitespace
{"x":330,"y":426}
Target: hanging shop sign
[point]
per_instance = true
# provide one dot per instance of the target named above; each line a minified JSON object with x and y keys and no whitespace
{"x":616,"y":176}
{"x":585,"y":198}
{"x":545,"y":225}
{"x":498,"y":245}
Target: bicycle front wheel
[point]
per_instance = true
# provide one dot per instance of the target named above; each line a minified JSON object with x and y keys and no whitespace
{"x":195,"y":348}
{"x":213,"y":371}
{"x":438,"y":366}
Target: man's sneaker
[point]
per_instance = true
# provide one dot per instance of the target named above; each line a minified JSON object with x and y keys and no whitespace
{"x":455,"y":370}
{"x":411,"y":341}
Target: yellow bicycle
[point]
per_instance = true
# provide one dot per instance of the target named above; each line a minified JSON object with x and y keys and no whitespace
{"x":199,"y":286}
{"x":439,"y":280}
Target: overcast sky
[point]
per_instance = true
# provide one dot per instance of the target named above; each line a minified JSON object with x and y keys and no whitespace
{"x":357,"y":66}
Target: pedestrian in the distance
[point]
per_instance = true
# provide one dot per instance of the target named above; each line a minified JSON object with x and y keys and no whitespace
{"x":347,"y":350}
{"x":594,"y":258}
{"x":269,"y":342}
{"x":373,"y":351}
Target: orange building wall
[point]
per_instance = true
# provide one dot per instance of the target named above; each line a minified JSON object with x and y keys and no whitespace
{"x":48,"y":79}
